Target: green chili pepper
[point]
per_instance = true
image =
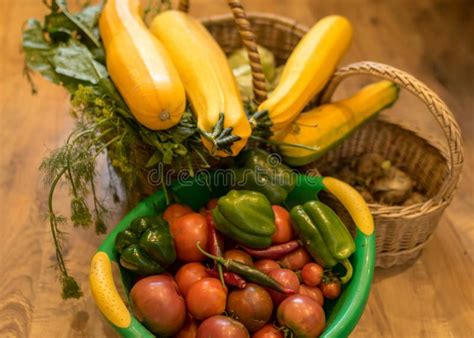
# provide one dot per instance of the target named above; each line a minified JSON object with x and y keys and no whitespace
{"x":246,"y":217}
{"x":146,"y":246}
{"x":263,"y":173}
{"x":324,"y":235}
{"x":247,"y":271}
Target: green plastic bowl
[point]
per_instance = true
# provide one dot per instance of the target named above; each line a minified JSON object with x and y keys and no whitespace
{"x":342,"y":315}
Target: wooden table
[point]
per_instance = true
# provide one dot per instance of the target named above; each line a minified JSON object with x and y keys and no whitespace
{"x":432,"y":297}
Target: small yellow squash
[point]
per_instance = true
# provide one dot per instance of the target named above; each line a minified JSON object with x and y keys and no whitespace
{"x":307,"y":70}
{"x":208,"y":81}
{"x":140,"y":67}
{"x":326,"y":126}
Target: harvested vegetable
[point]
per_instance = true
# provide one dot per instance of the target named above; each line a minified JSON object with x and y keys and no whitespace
{"x":189,"y":274}
{"x":325,"y":126}
{"x":146,"y":246}
{"x":287,"y":279}
{"x":188,"y":230}
{"x":302,"y":315}
{"x":206,"y":298}
{"x":246,"y":217}
{"x":150,"y":296}
{"x":252,"y":306}
{"x":306,"y":72}
{"x":248,"y":272}
{"x":262,"y":172}
{"x":140,"y":66}
{"x":324,"y":235}
{"x":230,"y":278}
{"x":222,"y":327}
{"x":284,"y":232}
{"x":239,"y":256}
{"x":378,"y":180}
{"x":208,"y":81}
{"x":275,"y":251}
{"x":295,"y":260}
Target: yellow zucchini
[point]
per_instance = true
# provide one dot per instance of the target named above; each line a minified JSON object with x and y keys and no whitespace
{"x":140,"y":67}
{"x":326,"y":126}
{"x":306,"y":72}
{"x":208,"y":81}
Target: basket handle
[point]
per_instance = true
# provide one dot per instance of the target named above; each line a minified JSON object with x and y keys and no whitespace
{"x":436,"y":106}
{"x":249,"y":41}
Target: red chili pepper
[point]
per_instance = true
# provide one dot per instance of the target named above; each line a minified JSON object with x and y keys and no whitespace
{"x":215,"y":239}
{"x":216,"y":243}
{"x":274,"y":252}
{"x":230,"y":278}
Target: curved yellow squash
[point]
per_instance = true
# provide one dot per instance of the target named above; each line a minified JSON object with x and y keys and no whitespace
{"x":208,"y":81}
{"x":140,"y":67}
{"x":307,"y":70}
{"x":326,"y":126}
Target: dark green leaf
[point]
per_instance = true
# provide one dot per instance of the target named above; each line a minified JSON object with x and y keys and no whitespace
{"x":37,"y":51}
{"x":76,"y":61}
{"x":83,"y":29}
{"x":59,"y":27}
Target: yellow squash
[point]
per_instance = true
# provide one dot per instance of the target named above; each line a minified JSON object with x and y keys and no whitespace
{"x":140,"y":66}
{"x":306,"y":72}
{"x":208,"y":81}
{"x":326,"y":126}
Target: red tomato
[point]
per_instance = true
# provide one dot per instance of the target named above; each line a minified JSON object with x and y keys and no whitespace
{"x":187,"y":230}
{"x":302,"y":315}
{"x":252,"y":306}
{"x":239,"y":255}
{"x":287,"y":279}
{"x":176,"y":210}
{"x":212,"y":203}
{"x":295,"y":260}
{"x":150,"y":296}
{"x":206,"y":298}
{"x":331,"y":289}
{"x":189,"y":329}
{"x":284,"y":231}
{"x":312,"y":274}
{"x":189,"y":274}
{"x":312,"y":292}
{"x":266,"y":265}
{"x":222,"y":327}
{"x":268,"y":331}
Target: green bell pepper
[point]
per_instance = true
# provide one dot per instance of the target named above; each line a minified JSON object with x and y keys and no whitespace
{"x":264,"y":173}
{"x":324,"y":235}
{"x":246,"y":217}
{"x":146,"y":246}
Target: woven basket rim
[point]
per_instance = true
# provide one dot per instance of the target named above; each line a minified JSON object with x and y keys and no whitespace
{"x":222,"y":18}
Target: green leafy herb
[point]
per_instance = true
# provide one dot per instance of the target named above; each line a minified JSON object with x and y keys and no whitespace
{"x":66,"y":49}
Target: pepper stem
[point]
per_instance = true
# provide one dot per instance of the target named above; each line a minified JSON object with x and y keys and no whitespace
{"x":219,"y":260}
{"x":348,"y":266}
{"x":221,"y":274}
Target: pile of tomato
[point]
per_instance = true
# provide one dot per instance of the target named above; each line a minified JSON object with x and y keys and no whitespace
{"x":190,"y":300}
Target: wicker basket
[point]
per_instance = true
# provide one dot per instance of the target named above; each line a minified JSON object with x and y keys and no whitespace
{"x":401,"y":232}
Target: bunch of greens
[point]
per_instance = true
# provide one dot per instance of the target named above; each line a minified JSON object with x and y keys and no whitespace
{"x":66,"y":49}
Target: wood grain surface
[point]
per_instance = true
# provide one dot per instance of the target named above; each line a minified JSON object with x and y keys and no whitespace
{"x":432,"y":297}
